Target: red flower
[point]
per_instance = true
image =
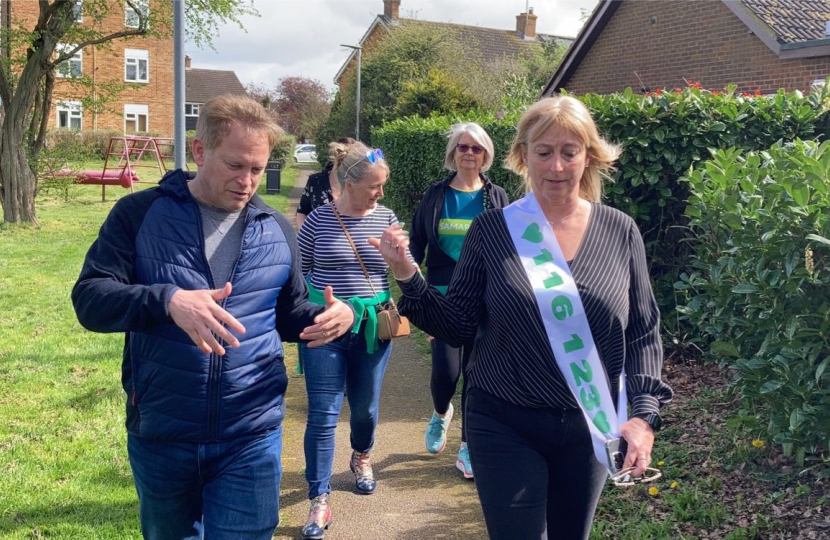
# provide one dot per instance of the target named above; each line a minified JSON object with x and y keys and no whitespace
{"x":757,"y":92}
{"x":659,"y":91}
{"x":715,"y":93}
{"x":747,"y":94}
{"x":695,"y":85}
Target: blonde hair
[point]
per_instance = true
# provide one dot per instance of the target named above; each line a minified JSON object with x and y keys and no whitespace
{"x":353,"y":164}
{"x":339,"y":148}
{"x":478,"y":135}
{"x":571,"y":115}
{"x":218,"y":115}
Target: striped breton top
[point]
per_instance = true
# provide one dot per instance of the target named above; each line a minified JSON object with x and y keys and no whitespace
{"x":330,"y":259}
{"x":490,"y":298}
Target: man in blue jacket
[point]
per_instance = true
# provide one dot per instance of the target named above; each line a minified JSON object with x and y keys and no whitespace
{"x":205,"y":280}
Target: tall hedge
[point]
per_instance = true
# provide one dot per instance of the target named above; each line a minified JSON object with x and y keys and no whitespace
{"x":663,"y":135}
{"x":758,"y":287}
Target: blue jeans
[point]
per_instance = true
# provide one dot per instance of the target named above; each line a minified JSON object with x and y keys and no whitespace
{"x":327,"y":368}
{"x":223,"y":490}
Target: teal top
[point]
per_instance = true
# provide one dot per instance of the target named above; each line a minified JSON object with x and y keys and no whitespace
{"x":459,"y":210}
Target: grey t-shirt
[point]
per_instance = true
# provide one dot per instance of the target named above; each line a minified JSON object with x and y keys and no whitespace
{"x":223,"y":239}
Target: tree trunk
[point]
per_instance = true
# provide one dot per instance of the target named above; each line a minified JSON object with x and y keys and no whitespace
{"x":16,"y":176}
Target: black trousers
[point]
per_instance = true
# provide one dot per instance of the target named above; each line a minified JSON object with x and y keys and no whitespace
{"x":536,"y":474}
{"x":448,"y":363}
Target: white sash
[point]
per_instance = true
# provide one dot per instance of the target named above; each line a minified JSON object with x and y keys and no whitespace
{"x":565,"y":321}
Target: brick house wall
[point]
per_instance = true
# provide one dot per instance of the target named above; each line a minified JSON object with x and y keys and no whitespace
{"x":667,"y":41}
{"x":107,"y":63}
{"x":369,"y":45}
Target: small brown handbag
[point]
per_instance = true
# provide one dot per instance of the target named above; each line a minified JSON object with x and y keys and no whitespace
{"x":391,"y":324}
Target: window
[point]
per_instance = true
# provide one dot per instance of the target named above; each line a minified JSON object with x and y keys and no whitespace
{"x":131,"y":18}
{"x":136,"y":119}
{"x":136,"y":65}
{"x":191,"y":109}
{"x":74,"y":67}
{"x":70,"y":115}
{"x":78,"y":10}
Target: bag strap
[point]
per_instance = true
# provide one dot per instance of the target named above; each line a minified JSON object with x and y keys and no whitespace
{"x":357,"y":254}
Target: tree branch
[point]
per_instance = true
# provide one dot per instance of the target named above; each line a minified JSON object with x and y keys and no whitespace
{"x":97,"y":41}
{"x":44,"y":118}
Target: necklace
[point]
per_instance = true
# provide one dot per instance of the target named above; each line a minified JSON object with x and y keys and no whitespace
{"x":560,"y":220}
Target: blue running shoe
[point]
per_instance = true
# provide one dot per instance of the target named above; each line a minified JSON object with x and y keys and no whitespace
{"x":435,"y":437}
{"x":463,"y":462}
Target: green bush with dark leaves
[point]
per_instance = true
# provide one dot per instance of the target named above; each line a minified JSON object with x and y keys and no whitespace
{"x":759,"y":288}
{"x":663,"y":135}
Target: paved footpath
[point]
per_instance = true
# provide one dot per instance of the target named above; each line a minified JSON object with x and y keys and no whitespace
{"x":419,"y":495}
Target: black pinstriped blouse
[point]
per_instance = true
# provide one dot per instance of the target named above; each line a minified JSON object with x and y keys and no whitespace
{"x":490,"y":298}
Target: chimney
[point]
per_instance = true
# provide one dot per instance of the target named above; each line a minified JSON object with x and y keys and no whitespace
{"x":186,"y":62}
{"x":391,"y":9}
{"x":526,"y":25}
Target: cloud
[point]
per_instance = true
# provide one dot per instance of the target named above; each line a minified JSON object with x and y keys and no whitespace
{"x":302,"y":38}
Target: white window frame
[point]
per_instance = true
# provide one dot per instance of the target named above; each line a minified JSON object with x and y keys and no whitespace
{"x":73,"y":110}
{"x":78,"y":10}
{"x":192,"y":105}
{"x":132,"y":113}
{"x":131,"y":17}
{"x":134,"y":58}
{"x":78,"y":58}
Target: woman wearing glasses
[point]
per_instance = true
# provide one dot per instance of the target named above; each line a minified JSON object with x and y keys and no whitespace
{"x":335,"y":250}
{"x":438,"y":229}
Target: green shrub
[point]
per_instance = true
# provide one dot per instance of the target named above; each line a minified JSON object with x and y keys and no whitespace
{"x":760,"y":280}
{"x":284,"y":150}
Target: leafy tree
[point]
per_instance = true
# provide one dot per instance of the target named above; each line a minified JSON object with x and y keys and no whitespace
{"x":302,"y":104}
{"x":30,"y":57}
{"x":437,"y":92}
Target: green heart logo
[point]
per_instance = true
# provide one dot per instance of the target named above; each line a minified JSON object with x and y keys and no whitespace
{"x":533,"y":233}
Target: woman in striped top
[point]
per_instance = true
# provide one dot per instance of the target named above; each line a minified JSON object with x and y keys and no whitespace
{"x":357,"y":360}
{"x":531,"y":444}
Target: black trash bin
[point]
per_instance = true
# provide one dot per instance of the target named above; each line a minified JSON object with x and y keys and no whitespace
{"x":272,"y":177}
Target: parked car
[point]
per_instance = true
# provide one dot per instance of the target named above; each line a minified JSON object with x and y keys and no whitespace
{"x":305,"y":153}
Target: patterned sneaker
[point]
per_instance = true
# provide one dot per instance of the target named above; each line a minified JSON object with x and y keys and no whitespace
{"x":361,"y":466}
{"x":435,"y":437}
{"x":319,"y":518}
{"x":463,"y":461}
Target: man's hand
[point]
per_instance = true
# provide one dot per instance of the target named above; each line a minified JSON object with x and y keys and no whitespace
{"x":198,"y":313}
{"x":336,"y":320}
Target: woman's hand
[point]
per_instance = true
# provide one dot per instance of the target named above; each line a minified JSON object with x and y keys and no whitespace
{"x":640,"y":438}
{"x":393,"y":244}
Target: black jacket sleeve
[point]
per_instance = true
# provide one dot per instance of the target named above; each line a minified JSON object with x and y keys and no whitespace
{"x":105,"y":297}
{"x":294,"y":311}
{"x":418,"y":233}
{"x":499,"y":197}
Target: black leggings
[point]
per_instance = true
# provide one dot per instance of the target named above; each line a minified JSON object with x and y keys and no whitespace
{"x":536,"y":474}
{"x":447,"y":365}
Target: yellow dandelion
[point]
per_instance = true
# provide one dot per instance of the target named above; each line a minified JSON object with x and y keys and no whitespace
{"x":674,"y":485}
{"x":653,"y":491}
{"x":758,"y":443}
{"x":661,"y":463}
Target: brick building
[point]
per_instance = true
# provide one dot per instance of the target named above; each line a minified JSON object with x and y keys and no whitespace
{"x":491,"y":44}
{"x":203,"y":84}
{"x":756,"y":44}
{"x":144,"y":64}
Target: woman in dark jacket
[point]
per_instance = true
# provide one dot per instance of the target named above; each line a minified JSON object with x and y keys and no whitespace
{"x":438,"y":229}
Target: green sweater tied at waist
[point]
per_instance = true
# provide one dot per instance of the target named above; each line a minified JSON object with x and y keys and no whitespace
{"x":364,"y":309}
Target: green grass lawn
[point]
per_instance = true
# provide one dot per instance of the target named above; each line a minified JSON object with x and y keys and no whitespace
{"x":63,"y":464}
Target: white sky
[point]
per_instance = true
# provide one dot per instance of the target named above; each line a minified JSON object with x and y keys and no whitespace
{"x":303,"y":37}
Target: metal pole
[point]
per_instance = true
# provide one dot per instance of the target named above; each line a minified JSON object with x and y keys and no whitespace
{"x":179,"y":140}
{"x":357,"y":107}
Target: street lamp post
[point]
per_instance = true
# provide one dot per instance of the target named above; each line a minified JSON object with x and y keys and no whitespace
{"x":178,"y":84}
{"x":359,"y":50}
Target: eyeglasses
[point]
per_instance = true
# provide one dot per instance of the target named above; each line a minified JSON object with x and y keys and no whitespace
{"x":372,"y":156}
{"x":464,"y":148}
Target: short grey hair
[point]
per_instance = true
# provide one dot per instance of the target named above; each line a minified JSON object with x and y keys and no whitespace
{"x":353,"y":165}
{"x":479,"y":136}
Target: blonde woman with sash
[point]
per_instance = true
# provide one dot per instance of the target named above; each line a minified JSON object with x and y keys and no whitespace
{"x":555,"y":290}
